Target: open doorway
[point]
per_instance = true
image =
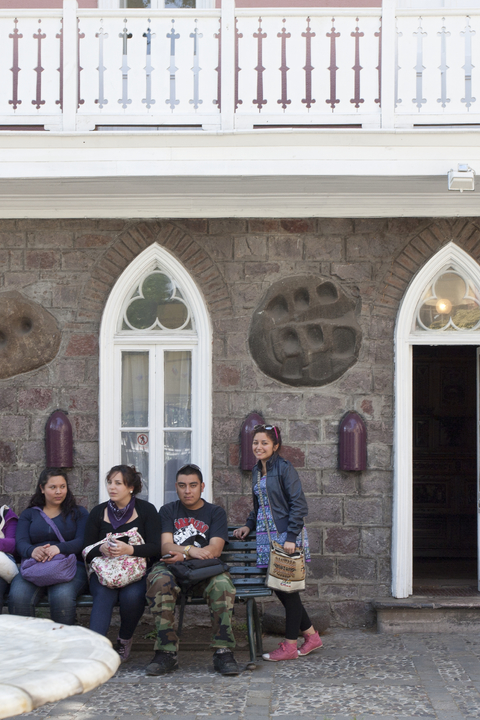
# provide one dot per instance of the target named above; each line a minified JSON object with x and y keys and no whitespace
{"x":444,"y":469}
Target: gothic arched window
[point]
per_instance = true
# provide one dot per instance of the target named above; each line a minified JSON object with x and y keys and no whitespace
{"x":155,"y":375}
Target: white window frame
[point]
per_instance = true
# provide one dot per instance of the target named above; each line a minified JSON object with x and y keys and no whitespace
{"x":405,"y":339}
{"x":113,"y":341}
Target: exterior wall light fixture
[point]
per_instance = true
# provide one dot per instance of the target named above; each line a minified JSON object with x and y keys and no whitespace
{"x":247,"y":458}
{"x":352,"y":437}
{"x":462,"y":179}
{"x":59,"y":440}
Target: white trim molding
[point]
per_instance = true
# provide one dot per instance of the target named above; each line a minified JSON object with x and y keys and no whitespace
{"x":154,"y":5}
{"x":201,"y":342}
{"x":405,"y":338}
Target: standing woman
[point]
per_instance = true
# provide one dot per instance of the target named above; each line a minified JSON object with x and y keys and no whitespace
{"x":284,"y":507}
{"x":123,"y":512}
{"x":36,"y":539}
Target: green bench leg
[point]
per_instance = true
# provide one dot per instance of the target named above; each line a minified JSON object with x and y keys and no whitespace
{"x":254,"y":630}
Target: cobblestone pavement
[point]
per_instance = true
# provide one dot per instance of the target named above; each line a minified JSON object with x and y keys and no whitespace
{"x":358,"y":675}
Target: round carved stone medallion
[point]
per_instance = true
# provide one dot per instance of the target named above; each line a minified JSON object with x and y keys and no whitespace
{"x":29,"y":335}
{"x":305,"y":331}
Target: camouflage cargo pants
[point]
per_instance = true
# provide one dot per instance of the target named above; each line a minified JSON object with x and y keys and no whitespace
{"x":162,"y":594}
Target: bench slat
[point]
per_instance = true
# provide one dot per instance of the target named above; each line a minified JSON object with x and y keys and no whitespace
{"x":239,"y":570}
{"x":239,"y":557}
{"x":240,"y":545}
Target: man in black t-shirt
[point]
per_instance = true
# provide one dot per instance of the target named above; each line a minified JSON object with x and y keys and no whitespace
{"x":191,"y":528}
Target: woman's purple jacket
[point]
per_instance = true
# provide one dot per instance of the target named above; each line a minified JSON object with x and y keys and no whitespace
{"x":7,"y":543}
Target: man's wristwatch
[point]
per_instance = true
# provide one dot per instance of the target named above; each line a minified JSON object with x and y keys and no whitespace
{"x":186,"y":550}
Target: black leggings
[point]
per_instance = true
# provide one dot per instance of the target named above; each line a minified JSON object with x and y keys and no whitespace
{"x":296,"y":617}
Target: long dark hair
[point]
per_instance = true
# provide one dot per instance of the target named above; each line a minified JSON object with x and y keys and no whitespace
{"x":68,"y":506}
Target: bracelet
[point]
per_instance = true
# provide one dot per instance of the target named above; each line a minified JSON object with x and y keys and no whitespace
{"x":186,"y":550}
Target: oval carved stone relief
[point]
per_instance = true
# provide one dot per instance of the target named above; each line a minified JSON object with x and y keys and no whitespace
{"x":29,"y":335}
{"x":305,"y":332}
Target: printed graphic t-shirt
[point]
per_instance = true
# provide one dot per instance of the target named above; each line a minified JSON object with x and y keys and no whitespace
{"x":194,"y":527}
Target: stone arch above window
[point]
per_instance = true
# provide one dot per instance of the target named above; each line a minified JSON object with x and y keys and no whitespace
{"x":131,"y":243}
{"x":421,"y":248}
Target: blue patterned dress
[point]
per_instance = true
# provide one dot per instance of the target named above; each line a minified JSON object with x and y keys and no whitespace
{"x":263,"y":545}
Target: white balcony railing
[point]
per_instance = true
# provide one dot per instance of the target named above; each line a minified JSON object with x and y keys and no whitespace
{"x":228,"y":69}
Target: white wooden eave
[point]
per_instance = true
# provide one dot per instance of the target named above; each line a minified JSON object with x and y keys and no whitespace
{"x":259,"y":173}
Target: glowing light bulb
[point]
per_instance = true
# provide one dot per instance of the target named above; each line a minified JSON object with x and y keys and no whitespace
{"x":443,"y":306}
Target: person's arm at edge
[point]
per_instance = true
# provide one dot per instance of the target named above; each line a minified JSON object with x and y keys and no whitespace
{"x":77,"y":543}
{"x":92,"y":531}
{"x":170,"y":548}
{"x":212,"y":550}
{"x":7,"y":543}
{"x":298,"y":508}
{"x":152,"y":532}
{"x":23,"y":542}
{"x":251,"y":521}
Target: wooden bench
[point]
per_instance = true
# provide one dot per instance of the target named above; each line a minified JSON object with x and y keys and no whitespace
{"x":249,"y":583}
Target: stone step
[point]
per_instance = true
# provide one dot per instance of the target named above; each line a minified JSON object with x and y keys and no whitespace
{"x":426,"y":614}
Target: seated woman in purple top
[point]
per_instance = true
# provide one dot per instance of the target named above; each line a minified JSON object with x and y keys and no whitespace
{"x":7,"y":541}
{"x":35,"y":538}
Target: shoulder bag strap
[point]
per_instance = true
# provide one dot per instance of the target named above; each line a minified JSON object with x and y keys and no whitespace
{"x":260,"y":497}
{"x":3,"y":512}
{"x":50,"y":522}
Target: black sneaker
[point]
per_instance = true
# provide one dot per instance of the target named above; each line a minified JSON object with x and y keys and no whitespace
{"x":123,"y":648}
{"x":162,"y":662}
{"x":224,"y":663}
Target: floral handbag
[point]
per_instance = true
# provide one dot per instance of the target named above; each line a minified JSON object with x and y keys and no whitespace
{"x":120,"y":571}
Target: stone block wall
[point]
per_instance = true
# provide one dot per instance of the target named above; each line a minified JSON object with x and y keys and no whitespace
{"x":70,"y":266}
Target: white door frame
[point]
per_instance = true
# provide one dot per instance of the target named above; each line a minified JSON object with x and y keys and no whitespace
{"x":405,"y":338}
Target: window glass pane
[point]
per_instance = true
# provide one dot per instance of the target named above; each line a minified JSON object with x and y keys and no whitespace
{"x":450,"y":302}
{"x":157,"y":304}
{"x":179,"y":3}
{"x":135,"y":389}
{"x":172,"y":315}
{"x":142,"y":4}
{"x":178,"y":391}
{"x":135,"y":452}
{"x":177,"y":453}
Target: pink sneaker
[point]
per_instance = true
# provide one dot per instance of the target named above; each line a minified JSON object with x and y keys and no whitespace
{"x":285,"y":651}
{"x":312,"y":642}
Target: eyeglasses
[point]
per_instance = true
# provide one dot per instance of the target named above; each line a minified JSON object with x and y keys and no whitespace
{"x":256,"y":428}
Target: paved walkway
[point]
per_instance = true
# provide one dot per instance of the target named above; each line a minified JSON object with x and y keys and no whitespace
{"x":358,"y":675}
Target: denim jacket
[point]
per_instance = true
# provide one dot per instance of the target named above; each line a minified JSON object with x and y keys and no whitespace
{"x":285,"y":495}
